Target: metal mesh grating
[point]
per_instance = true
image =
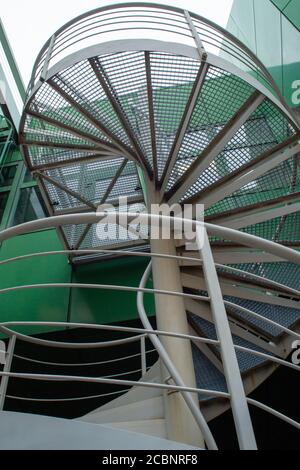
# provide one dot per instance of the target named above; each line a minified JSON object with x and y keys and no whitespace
{"x":40,"y":131}
{"x":265,"y":128}
{"x":247,"y":361}
{"x":207,"y":375}
{"x":73,"y":234}
{"x":127,"y":183}
{"x":59,"y":199}
{"x":285,"y":316}
{"x":129,"y":90}
{"x":281,"y":272}
{"x":50,"y":103}
{"x":82,"y":84}
{"x":91,"y":181}
{"x":280,"y":181}
{"x":221,"y":97}
{"x":44,"y":156}
{"x":172,"y":80}
{"x":114,"y":235}
{"x":280,"y":229}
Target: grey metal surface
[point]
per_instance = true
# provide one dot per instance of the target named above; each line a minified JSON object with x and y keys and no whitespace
{"x":47,"y":433}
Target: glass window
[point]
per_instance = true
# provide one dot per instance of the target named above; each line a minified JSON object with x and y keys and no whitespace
{"x":28,"y":178}
{"x":7,"y":175}
{"x":3,"y":201}
{"x":30,"y":206}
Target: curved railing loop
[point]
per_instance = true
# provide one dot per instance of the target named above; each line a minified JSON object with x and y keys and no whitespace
{"x":176,"y":24}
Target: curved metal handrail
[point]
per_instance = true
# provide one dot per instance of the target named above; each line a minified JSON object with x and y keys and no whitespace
{"x":219,"y":231}
{"x":175,"y":22}
{"x":81,"y":364}
{"x":154,"y":335}
{"x":197,"y":262}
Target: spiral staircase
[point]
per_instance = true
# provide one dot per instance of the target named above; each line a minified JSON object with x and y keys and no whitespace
{"x":190,"y":118}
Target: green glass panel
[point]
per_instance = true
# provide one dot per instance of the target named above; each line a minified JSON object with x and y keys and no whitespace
{"x":291,"y":63}
{"x":268,"y":26}
{"x":292,"y":11}
{"x":30,"y":206}
{"x":3,"y":201}
{"x":281,"y":4}
{"x":7,"y":175}
{"x":28,"y":178}
{"x":241,"y":23}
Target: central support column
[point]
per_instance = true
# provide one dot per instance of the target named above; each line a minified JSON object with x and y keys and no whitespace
{"x":171,"y":316}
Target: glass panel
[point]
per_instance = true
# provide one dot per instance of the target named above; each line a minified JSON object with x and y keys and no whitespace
{"x":281,"y":4}
{"x":28,"y":178}
{"x":30,"y":206}
{"x":291,"y":63}
{"x":268,"y":27}
{"x":7,"y":175}
{"x":292,"y":11}
{"x":3,"y":201}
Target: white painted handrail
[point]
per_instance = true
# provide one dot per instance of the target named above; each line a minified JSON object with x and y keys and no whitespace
{"x":283,"y":252}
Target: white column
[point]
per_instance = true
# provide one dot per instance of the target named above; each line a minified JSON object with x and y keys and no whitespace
{"x":171,"y":316}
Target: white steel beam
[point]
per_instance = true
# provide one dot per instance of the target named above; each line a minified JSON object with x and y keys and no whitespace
{"x":254,"y":217}
{"x":184,"y":125}
{"x":240,"y":410}
{"x":215,"y":147}
{"x":259,"y":167}
{"x":240,"y":290}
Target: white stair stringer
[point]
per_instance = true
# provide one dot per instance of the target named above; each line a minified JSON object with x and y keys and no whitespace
{"x":152,"y":408}
{"x":135,"y":394}
{"x":139,"y":410}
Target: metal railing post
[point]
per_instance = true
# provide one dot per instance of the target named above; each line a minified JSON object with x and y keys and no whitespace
{"x":240,"y":410}
{"x":7,"y":368}
{"x":195,"y":35}
{"x":48,"y":58}
{"x":143,"y":355}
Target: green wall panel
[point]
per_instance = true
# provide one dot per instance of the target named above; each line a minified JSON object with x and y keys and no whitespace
{"x":34,"y":304}
{"x":291,"y":61}
{"x":104,"y":306}
{"x":292,"y":11}
{"x":273,"y":38}
{"x":281,"y":4}
{"x":241,"y":23}
{"x":64,"y":304}
{"x":268,"y":37}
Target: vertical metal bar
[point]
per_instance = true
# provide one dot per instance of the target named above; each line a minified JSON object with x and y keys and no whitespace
{"x":143,"y":355}
{"x":7,"y":368}
{"x":240,"y":410}
{"x":47,"y":59}
{"x":197,"y":39}
{"x":5,"y":147}
{"x":151,"y":113}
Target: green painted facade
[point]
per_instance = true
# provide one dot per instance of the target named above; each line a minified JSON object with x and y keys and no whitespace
{"x":270,"y":28}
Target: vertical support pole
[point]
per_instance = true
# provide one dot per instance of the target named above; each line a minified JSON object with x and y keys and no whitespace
{"x":7,"y":368}
{"x":181,"y":425}
{"x":240,"y":410}
{"x":171,"y":316}
{"x":143,"y":355}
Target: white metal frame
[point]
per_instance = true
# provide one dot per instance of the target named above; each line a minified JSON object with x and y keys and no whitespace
{"x":233,"y":377}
